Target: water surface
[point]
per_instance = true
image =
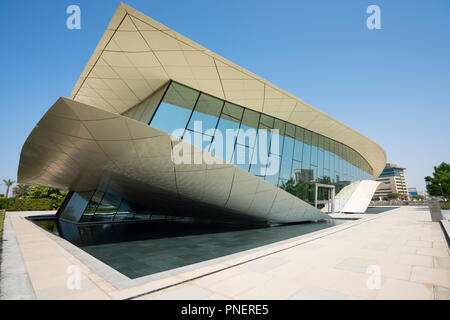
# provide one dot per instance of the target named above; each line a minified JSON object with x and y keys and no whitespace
{"x":140,"y":249}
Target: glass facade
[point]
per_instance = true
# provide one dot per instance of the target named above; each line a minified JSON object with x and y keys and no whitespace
{"x":73,"y":207}
{"x":274,"y":150}
{"x":105,"y":207}
{"x":290,"y":153}
{"x":108,"y":207}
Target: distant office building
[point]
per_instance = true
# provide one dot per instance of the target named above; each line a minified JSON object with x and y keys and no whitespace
{"x":392,"y":181}
{"x":412,"y":192}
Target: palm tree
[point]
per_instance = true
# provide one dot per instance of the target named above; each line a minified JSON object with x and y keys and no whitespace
{"x":8,"y":184}
{"x":21,"y":190}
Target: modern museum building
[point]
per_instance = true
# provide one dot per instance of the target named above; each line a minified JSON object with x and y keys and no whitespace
{"x":159,"y":127}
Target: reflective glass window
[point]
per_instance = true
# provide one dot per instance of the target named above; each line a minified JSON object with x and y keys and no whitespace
{"x":174,"y":111}
{"x":206,"y":114}
{"x":227,"y":131}
{"x":273,"y":169}
{"x":264,"y":139}
{"x":107,"y":208}
{"x":332,"y":161}
{"x":326,"y":160}
{"x":345,"y":162}
{"x":296,"y":170}
{"x":277,"y":139}
{"x":338,"y":162}
{"x":307,"y":150}
{"x":290,"y":130}
{"x":233,"y":111}
{"x":266,"y":121}
{"x":320,"y":156}
{"x":286,"y":158}
{"x":242,"y":157}
{"x":314,"y":173}
{"x":326,"y":173}
{"x":298,"y":148}
{"x":259,"y":162}
{"x":124,"y":212}
{"x":247,"y":132}
{"x":320,"y":159}
{"x":314,"y":148}
{"x":75,"y":206}
{"x":260,"y":157}
{"x":92,"y":206}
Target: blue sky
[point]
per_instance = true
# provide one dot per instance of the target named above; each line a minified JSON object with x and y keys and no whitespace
{"x":392,"y":85}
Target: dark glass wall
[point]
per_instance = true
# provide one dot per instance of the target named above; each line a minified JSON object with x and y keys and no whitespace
{"x":299,"y":154}
{"x":74,"y":207}
{"x":108,"y":207}
{"x":101,"y":206}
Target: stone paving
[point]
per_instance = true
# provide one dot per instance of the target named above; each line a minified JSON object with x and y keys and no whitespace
{"x":405,"y":254}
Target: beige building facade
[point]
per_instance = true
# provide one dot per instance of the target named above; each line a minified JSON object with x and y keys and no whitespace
{"x":393,"y":180}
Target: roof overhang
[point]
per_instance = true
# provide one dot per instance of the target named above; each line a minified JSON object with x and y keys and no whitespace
{"x":137,"y":55}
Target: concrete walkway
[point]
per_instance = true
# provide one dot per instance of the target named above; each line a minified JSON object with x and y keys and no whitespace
{"x":14,"y":281}
{"x":399,"y":254}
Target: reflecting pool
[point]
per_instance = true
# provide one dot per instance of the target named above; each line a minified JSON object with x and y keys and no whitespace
{"x":140,"y":249}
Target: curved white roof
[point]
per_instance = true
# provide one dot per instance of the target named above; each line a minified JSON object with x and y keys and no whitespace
{"x":137,"y":55}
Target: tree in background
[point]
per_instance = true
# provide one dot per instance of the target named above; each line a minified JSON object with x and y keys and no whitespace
{"x":31,"y":197}
{"x":38,"y":192}
{"x":8,"y":183}
{"x":304,"y":190}
{"x":393,"y":196}
{"x":22,"y":190}
{"x":418,"y":197}
{"x":439,"y":184}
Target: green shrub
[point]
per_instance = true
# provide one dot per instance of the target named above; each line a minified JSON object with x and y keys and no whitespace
{"x":2,"y":218}
{"x":16,"y":204}
{"x":445,"y":205}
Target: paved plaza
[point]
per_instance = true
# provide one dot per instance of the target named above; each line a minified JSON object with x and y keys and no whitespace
{"x":398,"y":254}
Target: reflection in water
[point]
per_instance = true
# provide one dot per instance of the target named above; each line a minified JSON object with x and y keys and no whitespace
{"x":140,"y":249}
